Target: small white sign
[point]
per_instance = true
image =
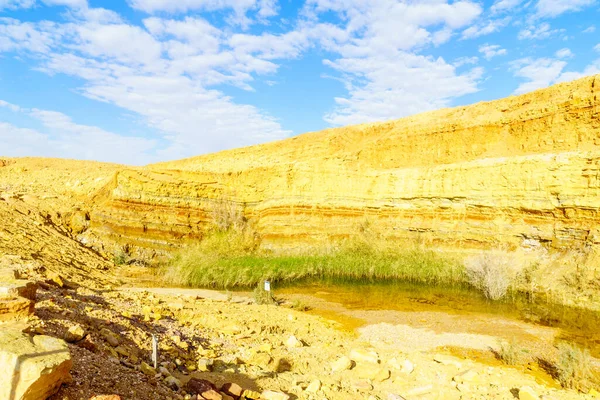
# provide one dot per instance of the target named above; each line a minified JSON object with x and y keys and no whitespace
{"x":267,"y":286}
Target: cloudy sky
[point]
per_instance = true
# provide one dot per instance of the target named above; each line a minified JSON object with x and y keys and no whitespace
{"x":139,"y":81}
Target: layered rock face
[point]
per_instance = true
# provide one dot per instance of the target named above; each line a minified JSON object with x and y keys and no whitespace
{"x":520,"y":171}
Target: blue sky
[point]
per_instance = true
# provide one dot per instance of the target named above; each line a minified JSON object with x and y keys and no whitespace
{"x":140,"y":81}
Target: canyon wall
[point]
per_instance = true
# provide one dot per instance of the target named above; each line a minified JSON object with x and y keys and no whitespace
{"x":522,"y":171}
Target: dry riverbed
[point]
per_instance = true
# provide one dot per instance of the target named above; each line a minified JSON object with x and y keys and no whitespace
{"x":308,"y":356}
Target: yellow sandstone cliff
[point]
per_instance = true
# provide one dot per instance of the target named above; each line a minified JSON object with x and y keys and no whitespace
{"x":522,"y":171}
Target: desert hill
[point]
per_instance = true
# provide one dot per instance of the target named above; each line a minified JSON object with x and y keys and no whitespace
{"x":520,"y":171}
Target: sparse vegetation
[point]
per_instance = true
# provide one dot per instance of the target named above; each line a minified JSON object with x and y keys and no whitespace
{"x":511,"y":353}
{"x":227,"y":215}
{"x":300,"y":306}
{"x":231,"y":258}
{"x":121,"y":255}
{"x":573,"y":367}
{"x":492,"y":272}
{"x":262,"y":296}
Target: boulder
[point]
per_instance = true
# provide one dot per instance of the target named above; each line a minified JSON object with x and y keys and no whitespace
{"x":32,"y":368}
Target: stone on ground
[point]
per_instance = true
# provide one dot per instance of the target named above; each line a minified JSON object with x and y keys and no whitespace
{"x":314,"y":386}
{"x":32,"y":368}
{"x":362,"y":355}
{"x":75,"y":334}
{"x":342,"y":364}
{"x":293,"y":342}
{"x":272,"y":395}
{"x":232,"y":389}
{"x":199,"y":386}
{"x":527,"y":393}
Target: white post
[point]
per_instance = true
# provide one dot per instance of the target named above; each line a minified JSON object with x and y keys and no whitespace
{"x":155,"y":351}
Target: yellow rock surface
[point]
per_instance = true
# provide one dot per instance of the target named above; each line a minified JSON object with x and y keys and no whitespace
{"x":32,"y":368}
{"x":521,"y":171}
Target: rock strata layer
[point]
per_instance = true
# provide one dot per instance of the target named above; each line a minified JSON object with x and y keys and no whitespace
{"x":520,"y":171}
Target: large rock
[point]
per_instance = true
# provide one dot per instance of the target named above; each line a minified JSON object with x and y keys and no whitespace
{"x":17,"y":297}
{"x":31,"y":368}
{"x":16,"y":308}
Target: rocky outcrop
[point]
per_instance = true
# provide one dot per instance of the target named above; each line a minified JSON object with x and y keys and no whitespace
{"x":31,"y":368}
{"x":17,"y":296}
{"x":523,"y":171}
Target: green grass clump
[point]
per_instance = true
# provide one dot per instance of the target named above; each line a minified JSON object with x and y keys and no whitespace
{"x":573,"y":367}
{"x":230,"y":259}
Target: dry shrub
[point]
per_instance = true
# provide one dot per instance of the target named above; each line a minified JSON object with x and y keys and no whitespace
{"x":227,"y":215}
{"x":493,"y":272}
{"x":573,"y":366}
{"x":511,"y":353}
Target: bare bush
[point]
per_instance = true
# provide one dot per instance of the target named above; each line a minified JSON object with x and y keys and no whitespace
{"x":227,"y":214}
{"x":492,"y":272}
{"x":573,"y":366}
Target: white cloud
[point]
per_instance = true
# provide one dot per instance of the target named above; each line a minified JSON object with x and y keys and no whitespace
{"x":590,"y":29}
{"x":490,"y":51}
{"x":12,"y":107}
{"x":15,"y":4}
{"x":99,"y":15}
{"x":485,"y":28}
{"x":537,"y":32}
{"x":26,"y":36}
{"x":539,"y":73}
{"x":67,"y":139}
{"x":592,"y":69}
{"x":554,"y":8}
{"x":121,"y":42}
{"x":380,"y":67}
{"x":68,"y":3}
{"x":398,"y":86}
{"x":564,"y":53}
{"x":597,"y":47}
{"x":459,"y":62}
{"x":263,"y":8}
{"x":162,"y":74}
{"x":500,"y":6}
